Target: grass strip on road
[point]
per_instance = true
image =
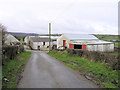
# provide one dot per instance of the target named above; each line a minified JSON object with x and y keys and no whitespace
{"x":102,"y":72}
{"x":12,"y":68}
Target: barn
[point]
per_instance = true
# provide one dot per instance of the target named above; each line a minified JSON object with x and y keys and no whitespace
{"x":83,"y":42}
{"x":10,"y":40}
{"x":39,"y":43}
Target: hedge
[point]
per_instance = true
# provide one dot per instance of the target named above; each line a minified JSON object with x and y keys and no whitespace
{"x":10,"y":52}
{"x":107,"y":58}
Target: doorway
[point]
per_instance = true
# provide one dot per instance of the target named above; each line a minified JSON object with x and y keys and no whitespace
{"x":38,"y":47}
{"x":64,"y":43}
{"x":77,"y":46}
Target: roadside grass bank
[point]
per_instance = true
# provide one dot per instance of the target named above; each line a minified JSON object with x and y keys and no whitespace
{"x":97,"y":72}
{"x":12,"y":70}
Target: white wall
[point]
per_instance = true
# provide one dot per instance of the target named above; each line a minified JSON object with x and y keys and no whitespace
{"x":35,"y":45}
{"x":26,"y":40}
{"x":100,"y":47}
{"x":60,"y":41}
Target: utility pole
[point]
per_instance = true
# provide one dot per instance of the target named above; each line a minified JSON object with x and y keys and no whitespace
{"x":49,"y":37}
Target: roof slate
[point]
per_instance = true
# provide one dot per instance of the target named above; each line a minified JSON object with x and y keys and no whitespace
{"x":38,"y":39}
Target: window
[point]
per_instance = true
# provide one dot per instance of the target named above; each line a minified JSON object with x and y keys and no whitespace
{"x":47,"y":46}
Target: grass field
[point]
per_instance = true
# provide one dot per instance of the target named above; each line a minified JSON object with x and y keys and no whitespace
{"x":100,"y":71}
{"x":12,"y":67}
{"x":108,"y":38}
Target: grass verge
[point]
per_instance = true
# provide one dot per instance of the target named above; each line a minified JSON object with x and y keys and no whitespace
{"x":12,"y":69}
{"x":100,"y":72}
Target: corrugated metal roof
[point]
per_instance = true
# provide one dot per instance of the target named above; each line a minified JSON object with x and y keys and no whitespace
{"x":54,"y":42}
{"x":80,"y":37}
{"x":100,"y":42}
{"x":52,"y":37}
{"x":55,"y":37}
{"x":38,"y":39}
{"x":91,"y":42}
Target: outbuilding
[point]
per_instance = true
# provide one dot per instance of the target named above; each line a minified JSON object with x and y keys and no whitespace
{"x":11,"y":40}
{"x":39,"y":43}
{"x":84,"y":42}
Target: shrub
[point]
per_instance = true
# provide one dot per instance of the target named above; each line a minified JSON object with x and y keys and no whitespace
{"x":10,"y":52}
{"x":107,"y":58}
{"x":79,"y":53}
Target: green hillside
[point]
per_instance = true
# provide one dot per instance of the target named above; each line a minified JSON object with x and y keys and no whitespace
{"x":108,"y":38}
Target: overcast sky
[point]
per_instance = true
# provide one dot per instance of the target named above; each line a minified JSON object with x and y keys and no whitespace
{"x":66,"y":16}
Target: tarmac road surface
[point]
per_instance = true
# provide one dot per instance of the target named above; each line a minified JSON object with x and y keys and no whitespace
{"x":44,"y":71}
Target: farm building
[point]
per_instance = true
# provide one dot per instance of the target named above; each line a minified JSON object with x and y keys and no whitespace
{"x":73,"y":41}
{"x":84,"y":42}
{"x":27,"y":38}
{"x":10,"y":39}
{"x":53,"y":38}
{"x":39,"y":43}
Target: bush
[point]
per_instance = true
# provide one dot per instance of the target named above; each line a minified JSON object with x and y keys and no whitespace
{"x":79,"y":53}
{"x":106,"y":58}
{"x":10,"y":52}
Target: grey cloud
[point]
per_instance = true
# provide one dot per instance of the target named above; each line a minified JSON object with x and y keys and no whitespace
{"x":66,"y":17}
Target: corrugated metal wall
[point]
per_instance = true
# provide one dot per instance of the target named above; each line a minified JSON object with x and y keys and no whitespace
{"x":101,"y":47}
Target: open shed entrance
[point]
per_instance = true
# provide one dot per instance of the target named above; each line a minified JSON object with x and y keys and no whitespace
{"x":77,"y":46}
{"x":38,"y":47}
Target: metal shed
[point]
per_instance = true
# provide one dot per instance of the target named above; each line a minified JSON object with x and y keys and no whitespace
{"x":97,"y":45}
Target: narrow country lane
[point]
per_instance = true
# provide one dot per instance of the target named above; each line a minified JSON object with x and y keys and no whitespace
{"x":44,"y":71}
